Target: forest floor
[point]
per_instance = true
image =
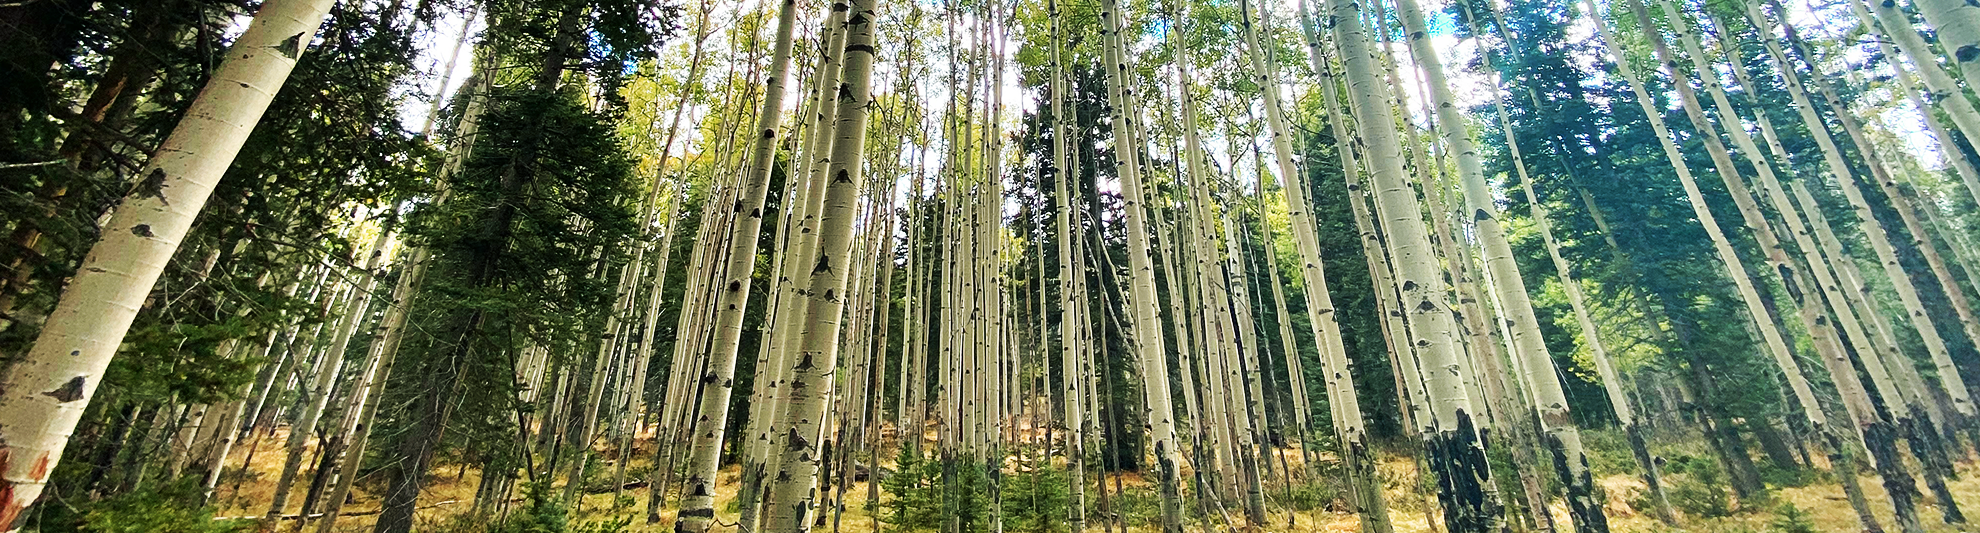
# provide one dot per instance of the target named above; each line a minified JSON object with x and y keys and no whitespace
{"x":450,"y":495}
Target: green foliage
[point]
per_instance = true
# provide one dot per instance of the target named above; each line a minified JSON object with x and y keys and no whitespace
{"x":543,"y":512}
{"x":1037,"y":501}
{"x":1608,"y":452}
{"x":1698,"y":487}
{"x":165,"y":508}
{"x":914,"y":493}
{"x":1310,"y":496}
{"x":926,"y":494}
{"x":1791,"y":519}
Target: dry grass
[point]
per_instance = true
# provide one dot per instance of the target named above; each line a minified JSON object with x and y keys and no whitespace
{"x":1409,"y":510}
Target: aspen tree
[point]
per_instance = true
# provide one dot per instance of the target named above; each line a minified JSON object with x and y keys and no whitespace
{"x":1563,"y":438}
{"x":816,"y":354}
{"x":355,"y":311}
{"x":1942,"y":90}
{"x":1902,"y":400}
{"x":698,"y":505}
{"x":1371,"y":241}
{"x":1147,"y":327}
{"x":1917,"y":226}
{"x":1735,"y":269}
{"x":1619,"y":401}
{"x":1871,"y":428}
{"x":1071,"y":304}
{"x":1878,"y":237}
{"x":1957,"y":26}
{"x":1341,"y":392}
{"x":812,"y":161}
{"x":54,"y":380}
{"x":1854,"y":292}
{"x":1456,"y":455}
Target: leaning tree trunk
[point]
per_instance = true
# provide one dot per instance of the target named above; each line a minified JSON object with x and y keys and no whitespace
{"x":1944,"y":92}
{"x":1456,"y":455}
{"x":1619,"y":401}
{"x":1549,"y":398}
{"x":1879,"y":239}
{"x":1341,"y":395}
{"x":1761,"y":320}
{"x":1874,"y":431}
{"x":1957,"y":25}
{"x":79,"y":338}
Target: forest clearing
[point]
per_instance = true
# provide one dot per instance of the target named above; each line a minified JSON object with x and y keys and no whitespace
{"x":988,"y":266}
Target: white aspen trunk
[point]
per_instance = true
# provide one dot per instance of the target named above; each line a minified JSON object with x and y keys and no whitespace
{"x":1147,"y":329}
{"x":1957,"y":25}
{"x":1762,"y":322}
{"x":791,"y":493}
{"x":1879,"y":239}
{"x":1873,"y":430}
{"x":1944,"y":92}
{"x":1453,"y":444}
{"x":1619,"y":400}
{"x":1339,"y":381}
{"x":53,"y":382}
{"x":326,"y":374}
{"x":766,"y":398}
{"x":698,"y":503}
{"x":1860,"y":303}
{"x":1562,"y":437}
{"x":1072,"y":305}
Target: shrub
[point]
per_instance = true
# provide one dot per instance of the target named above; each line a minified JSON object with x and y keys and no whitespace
{"x":1791,"y":519}
{"x":1037,"y":501}
{"x":1698,"y":487}
{"x":165,"y":508}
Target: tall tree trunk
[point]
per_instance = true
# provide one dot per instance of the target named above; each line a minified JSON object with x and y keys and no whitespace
{"x":1147,"y":326}
{"x":1457,"y":456}
{"x":1943,"y":91}
{"x":816,"y":354}
{"x":698,"y":505}
{"x":81,"y":335}
{"x":1071,"y":303}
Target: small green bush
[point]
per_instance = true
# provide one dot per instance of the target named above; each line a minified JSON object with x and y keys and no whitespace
{"x":1698,"y":487}
{"x":1037,"y":501}
{"x":166,"y":508}
{"x":1791,"y":519}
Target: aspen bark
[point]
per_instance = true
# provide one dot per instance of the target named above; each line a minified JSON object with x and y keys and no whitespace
{"x":1147,"y":326}
{"x":1878,"y":237}
{"x":1071,"y":305}
{"x":1457,"y":456}
{"x":52,"y":383}
{"x":1762,"y":321}
{"x":1549,"y":398}
{"x":1343,"y":401}
{"x":698,"y":505}
{"x":1942,"y":90}
{"x":1957,"y":25}
{"x":816,"y":356}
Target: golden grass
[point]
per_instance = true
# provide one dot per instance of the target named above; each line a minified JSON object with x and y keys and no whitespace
{"x":1408,"y":509}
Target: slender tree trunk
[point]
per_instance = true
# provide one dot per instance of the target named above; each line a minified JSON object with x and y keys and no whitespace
{"x":1941,"y":89}
{"x":1457,"y":456}
{"x":816,"y":354}
{"x":698,"y":506}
